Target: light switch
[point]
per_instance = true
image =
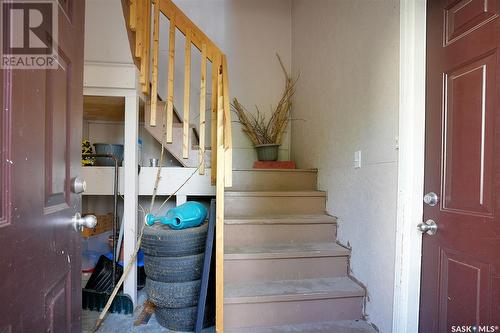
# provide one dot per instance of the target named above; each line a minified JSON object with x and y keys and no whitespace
{"x":357,"y":159}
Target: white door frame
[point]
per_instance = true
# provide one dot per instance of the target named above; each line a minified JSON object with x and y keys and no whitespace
{"x":121,"y":80}
{"x":410,"y":166}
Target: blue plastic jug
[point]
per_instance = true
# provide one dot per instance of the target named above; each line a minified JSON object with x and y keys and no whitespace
{"x":188,"y":215}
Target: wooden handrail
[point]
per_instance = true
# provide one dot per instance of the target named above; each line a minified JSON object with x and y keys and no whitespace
{"x":138,"y":16}
{"x":183,"y":23}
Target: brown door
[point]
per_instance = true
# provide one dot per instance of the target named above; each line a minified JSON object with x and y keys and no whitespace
{"x":461,"y":262}
{"x":40,"y":123}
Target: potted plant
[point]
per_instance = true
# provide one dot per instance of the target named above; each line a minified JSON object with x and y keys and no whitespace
{"x":266,"y":133}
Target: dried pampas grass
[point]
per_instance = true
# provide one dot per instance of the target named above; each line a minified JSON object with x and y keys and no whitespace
{"x":257,"y":127}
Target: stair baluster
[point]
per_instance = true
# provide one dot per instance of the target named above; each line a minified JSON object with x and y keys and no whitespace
{"x":203,"y":87}
{"x":170,"y":87}
{"x":187,"y":86}
{"x":156,"y":37}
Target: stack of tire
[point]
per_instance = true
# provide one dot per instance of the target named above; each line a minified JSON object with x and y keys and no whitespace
{"x":173,"y":261}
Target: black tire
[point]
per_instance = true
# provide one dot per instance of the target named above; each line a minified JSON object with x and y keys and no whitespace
{"x":161,"y":241}
{"x":183,"y":319}
{"x":174,"y":269}
{"x":174,"y":294}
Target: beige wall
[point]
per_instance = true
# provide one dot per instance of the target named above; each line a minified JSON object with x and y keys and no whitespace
{"x":347,"y":54}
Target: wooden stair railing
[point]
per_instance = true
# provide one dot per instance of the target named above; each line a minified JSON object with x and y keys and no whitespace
{"x":139,"y":14}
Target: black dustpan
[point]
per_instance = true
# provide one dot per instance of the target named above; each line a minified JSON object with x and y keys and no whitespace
{"x":102,"y":277}
{"x":106,"y":273}
{"x":100,"y":286}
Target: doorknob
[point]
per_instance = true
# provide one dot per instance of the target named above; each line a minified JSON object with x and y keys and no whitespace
{"x":429,"y":227}
{"x":431,"y":199}
{"x":87,"y":221}
{"x":78,"y":186}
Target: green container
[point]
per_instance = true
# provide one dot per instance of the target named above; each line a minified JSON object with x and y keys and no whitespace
{"x":267,"y":152}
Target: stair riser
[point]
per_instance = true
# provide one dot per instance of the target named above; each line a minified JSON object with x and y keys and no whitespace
{"x":248,"y":180}
{"x":251,"y":270}
{"x":274,"y":205}
{"x":259,"y":234}
{"x":294,"y":312}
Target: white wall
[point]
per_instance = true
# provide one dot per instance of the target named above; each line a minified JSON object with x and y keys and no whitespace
{"x":113,"y":132}
{"x":249,"y":33}
{"x":106,"y":40}
{"x":347,"y":53}
{"x":105,"y":34}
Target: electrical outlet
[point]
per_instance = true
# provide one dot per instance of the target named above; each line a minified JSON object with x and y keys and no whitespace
{"x":357,"y":159}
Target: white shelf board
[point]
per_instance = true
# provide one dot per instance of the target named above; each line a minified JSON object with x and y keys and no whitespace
{"x":100,"y":181}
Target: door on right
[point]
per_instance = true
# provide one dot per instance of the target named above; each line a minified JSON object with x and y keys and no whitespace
{"x":460,"y":283}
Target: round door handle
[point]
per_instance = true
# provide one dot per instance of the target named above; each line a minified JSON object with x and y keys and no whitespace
{"x":429,"y":227}
{"x":78,"y":186}
{"x":431,"y":199}
{"x":87,"y":221}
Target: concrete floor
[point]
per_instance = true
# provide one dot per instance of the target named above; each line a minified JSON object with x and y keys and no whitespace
{"x":120,"y":323}
{"x":340,"y":326}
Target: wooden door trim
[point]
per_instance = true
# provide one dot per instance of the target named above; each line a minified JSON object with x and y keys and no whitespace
{"x":97,"y":83}
{"x":5,"y":148}
{"x":410,"y":165}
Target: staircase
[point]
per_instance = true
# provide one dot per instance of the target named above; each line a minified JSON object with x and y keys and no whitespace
{"x":278,"y":267}
{"x":283,"y":270}
{"x":176,"y":146}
